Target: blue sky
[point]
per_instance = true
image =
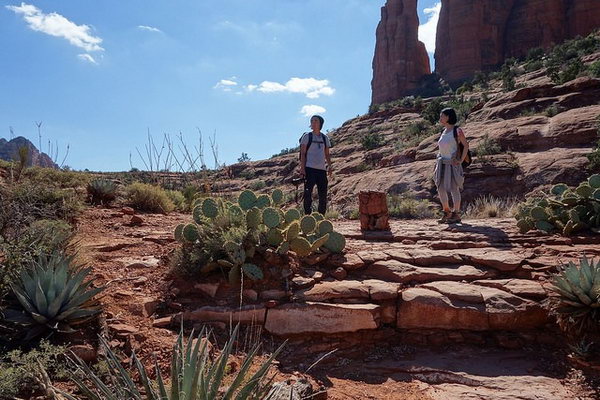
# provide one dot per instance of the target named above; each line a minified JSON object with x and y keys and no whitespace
{"x":100,"y":74}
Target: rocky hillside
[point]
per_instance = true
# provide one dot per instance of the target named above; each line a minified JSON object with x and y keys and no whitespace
{"x":471,"y":36}
{"x":538,"y":134}
{"x":9,"y":151}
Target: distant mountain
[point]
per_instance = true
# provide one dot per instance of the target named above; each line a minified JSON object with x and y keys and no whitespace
{"x":9,"y":150}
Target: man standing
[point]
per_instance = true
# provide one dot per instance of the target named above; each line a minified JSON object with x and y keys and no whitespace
{"x":315,"y":164}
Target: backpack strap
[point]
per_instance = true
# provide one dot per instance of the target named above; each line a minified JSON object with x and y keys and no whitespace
{"x":310,"y":139}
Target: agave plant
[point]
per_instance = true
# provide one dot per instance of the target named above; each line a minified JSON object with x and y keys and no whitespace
{"x":101,"y":191}
{"x":193,"y":375}
{"x":53,"y":296}
{"x":579,"y":288}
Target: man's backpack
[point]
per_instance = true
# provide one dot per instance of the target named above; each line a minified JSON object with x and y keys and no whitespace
{"x":468,"y":159}
{"x":310,"y":139}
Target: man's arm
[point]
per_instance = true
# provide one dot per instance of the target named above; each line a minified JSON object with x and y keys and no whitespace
{"x":303,"y":159}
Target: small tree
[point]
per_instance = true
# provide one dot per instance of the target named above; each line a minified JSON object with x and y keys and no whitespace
{"x":244,"y":158}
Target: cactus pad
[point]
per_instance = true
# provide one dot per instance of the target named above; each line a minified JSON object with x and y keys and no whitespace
{"x":179,"y":233}
{"x":277,"y":196}
{"x":539,"y":214}
{"x":318,"y":216}
{"x":300,"y":246}
{"x":320,"y":242}
{"x":544,"y":226}
{"x":270,"y":217}
{"x":324,"y":227}
{"x":235,"y":210}
{"x":210,"y":208}
{"x":284,"y":248}
{"x":292,"y":231}
{"x":308,"y":224}
{"x":559,"y":189}
{"x":197,"y":214}
{"x":190,"y":232}
{"x":253,"y":272}
{"x":336,"y":242}
{"x":253,"y":218}
{"x":594,"y":181}
{"x":274,"y":237}
{"x":247,"y":199}
{"x":263,"y":201}
{"x":584,"y":190}
{"x":292,"y":215}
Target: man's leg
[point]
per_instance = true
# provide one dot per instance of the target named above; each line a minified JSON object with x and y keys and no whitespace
{"x":309,"y":184}
{"x":322,"y":190}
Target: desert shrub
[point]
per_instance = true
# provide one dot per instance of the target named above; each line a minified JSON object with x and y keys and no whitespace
{"x":466,"y":87}
{"x":19,"y":370}
{"x":353,"y":214}
{"x":101,"y":191}
{"x":551,"y":111}
{"x":432,"y":110}
{"x":286,"y":151}
{"x":372,"y":140}
{"x":491,"y":207}
{"x":528,"y":112}
{"x":415,"y":133}
{"x":146,"y":197}
{"x":373,"y":108}
{"x":564,"y":61}
{"x":462,"y":107}
{"x":594,"y":69}
{"x":594,"y":156}
{"x":507,"y":75}
{"x":535,"y":54}
{"x":332,"y":213}
{"x":257,"y":185}
{"x":248,"y":174}
{"x":56,"y":177}
{"x":487,"y":147}
{"x":481,"y":79}
{"x":533,"y":66}
{"x":406,"y":206}
{"x":178,"y":199}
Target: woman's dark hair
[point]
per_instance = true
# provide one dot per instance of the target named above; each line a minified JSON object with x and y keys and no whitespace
{"x":321,"y":120}
{"x":451,"y":114}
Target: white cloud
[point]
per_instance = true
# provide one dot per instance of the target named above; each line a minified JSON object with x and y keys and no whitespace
{"x":87,"y":58}
{"x":312,"y":109}
{"x":149,"y":28}
{"x":311,"y":87}
{"x":54,"y":24}
{"x":427,"y":31}
{"x":226,"y":84}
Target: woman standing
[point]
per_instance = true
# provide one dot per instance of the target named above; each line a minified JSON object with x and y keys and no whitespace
{"x":449,"y":175}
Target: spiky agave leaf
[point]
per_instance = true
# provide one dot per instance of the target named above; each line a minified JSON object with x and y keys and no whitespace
{"x":53,"y":296}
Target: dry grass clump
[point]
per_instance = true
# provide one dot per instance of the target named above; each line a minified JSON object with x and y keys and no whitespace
{"x":491,"y":207}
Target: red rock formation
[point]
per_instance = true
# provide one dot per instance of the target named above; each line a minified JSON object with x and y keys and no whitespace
{"x":400,"y":58}
{"x":478,"y":35}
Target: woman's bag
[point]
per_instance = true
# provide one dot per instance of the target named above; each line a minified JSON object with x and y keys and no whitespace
{"x":461,"y":147}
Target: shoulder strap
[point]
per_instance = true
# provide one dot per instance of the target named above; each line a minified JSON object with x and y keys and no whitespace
{"x":310,"y":139}
{"x":455,"y":132}
{"x":325,"y":139}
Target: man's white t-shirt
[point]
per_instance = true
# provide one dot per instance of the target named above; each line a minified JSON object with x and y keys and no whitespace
{"x":315,"y":156}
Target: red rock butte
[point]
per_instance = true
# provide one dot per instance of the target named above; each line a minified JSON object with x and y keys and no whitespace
{"x":472,"y":35}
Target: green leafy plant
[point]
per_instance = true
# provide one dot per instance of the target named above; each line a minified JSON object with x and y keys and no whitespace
{"x":594,"y":69}
{"x":101,"y":191}
{"x":53,"y":296}
{"x":406,"y":206}
{"x":194,"y":376}
{"x":146,"y":197}
{"x":487,"y":147}
{"x":432,"y":110}
{"x":578,"y":287}
{"x":372,"y":140}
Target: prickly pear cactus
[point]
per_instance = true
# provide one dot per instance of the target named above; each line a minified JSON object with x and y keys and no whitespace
{"x":565,"y":210}
{"x":179,"y":233}
{"x":308,"y":223}
{"x":252,"y":271}
{"x":190,"y":232}
{"x":300,"y":246}
{"x":336,"y":242}
{"x":292,"y":215}
{"x":271,"y":217}
{"x":263,"y":201}
{"x":277,"y":197}
{"x":247,"y":200}
{"x":210,"y":208}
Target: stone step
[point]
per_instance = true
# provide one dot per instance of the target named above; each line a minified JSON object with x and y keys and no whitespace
{"x":396,"y":271}
{"x":455,"y":305}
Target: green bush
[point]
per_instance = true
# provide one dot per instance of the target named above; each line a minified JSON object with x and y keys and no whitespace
{"x":373,"y":108}
{"x":415,"y":133}
{"x":481,"y":79}
{"x":508,"y":74}
{"x":487,"y":147}
{"x":257,"y":185}
{"x":462,"y":107}
{"x":19,"y":370}
{"x":535,"y":54}
{"x":491,"y":207}
{"x":56,"y":177}
{"x":178,"y":199}
{"x":534,"y":65}
{"x":150,"y":198}
{"x":101,"y":191}
{"x":406,"y":206}
{"x":286,"y":151}
{"x":432,"y":110}
{"x":372,"y":140}
{"x":594,"y":69}
{"x":551,"y":111}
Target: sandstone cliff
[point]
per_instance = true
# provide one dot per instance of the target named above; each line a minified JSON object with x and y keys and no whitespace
{"x":9,"y":151}
{"x":478,"y":35}
{"x":400,"y":58}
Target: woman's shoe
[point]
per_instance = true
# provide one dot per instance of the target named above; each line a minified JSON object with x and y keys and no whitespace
{"x":454,"y":218}
{"x":445,"y":218}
